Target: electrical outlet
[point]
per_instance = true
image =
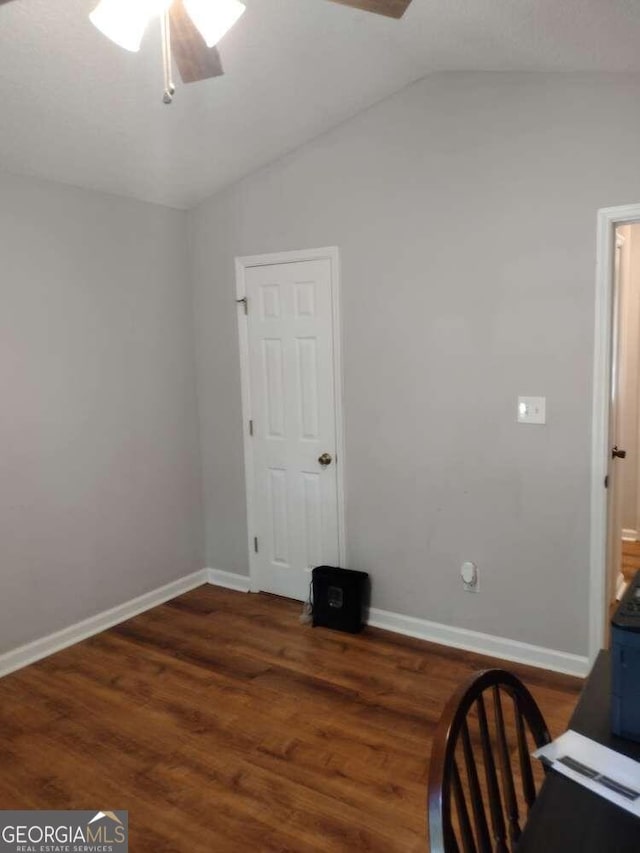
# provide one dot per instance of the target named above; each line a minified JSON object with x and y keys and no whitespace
{"x":470,"y":577}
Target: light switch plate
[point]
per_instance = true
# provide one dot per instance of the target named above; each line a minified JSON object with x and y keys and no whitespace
{"x":532,"y":410}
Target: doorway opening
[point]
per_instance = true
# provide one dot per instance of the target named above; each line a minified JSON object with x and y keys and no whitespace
{"x":615,"y":487}
{"x":623,"y":510}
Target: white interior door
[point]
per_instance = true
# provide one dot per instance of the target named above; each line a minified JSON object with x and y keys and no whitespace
{"x":293,"y":443}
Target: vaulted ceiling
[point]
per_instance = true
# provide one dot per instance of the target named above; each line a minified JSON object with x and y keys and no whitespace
{"x":76,"y":108}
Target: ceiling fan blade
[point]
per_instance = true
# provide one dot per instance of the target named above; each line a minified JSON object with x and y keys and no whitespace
{"x":390,"y":8}
{"x":194,"y":59}
{"x":4,"y":1}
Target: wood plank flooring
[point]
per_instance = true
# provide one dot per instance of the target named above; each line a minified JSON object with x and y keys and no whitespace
{"x":223,"y":724}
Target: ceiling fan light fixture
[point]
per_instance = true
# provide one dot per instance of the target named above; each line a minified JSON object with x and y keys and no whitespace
{"x":214,"y":18}
{"x":125,"y":21}
{"x":121,"y":21}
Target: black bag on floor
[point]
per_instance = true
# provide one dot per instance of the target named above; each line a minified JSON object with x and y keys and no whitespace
{"x":340,"y":598}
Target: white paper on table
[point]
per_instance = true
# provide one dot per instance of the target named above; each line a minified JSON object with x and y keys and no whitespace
{"x":605,"y":767}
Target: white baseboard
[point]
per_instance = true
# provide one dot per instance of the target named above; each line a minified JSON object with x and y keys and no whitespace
{"x":446,"y":635}
{"x":629,"y":535}
{"x":38,"y":649}
{"x":229,"y":580}
{"x":484,"y":644}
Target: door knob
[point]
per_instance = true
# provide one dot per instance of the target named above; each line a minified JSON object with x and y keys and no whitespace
{"x":619,"y":454}
{"x":325,"y":459}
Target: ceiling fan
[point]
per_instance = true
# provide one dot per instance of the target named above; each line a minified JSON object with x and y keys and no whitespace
{"x":191,"y":29}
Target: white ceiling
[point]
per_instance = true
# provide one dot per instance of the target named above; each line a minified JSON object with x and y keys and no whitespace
{"x":76,"y":108}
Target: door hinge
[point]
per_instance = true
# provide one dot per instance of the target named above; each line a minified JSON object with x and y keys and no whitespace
{"x":250,"y":427}
{"x":255,"y":544}
{"x":245,"y":303}
{"x":606,"y":482}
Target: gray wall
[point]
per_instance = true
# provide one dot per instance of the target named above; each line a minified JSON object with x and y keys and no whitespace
{"x":100,"y":495}
{"x":465,"y":209}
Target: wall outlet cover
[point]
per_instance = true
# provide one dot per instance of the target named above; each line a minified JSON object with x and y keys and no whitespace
{"x":470,"y":578}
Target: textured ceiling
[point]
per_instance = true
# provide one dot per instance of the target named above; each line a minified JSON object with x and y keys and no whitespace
{"x":78,"y":109}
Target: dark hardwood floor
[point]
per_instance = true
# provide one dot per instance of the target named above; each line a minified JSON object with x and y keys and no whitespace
{"x":223,"y":724}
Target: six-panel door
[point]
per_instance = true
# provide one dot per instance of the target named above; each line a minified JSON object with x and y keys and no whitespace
{"x":290,"y":326}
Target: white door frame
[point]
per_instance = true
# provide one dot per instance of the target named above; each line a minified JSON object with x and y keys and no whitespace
{"x":331,"y":254}
{"x":608,"y":219}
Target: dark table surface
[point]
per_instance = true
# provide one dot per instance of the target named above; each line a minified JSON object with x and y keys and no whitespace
{"x":567,"y":818}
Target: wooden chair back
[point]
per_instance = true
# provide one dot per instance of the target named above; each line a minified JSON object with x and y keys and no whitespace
{"x":481,"y":775}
